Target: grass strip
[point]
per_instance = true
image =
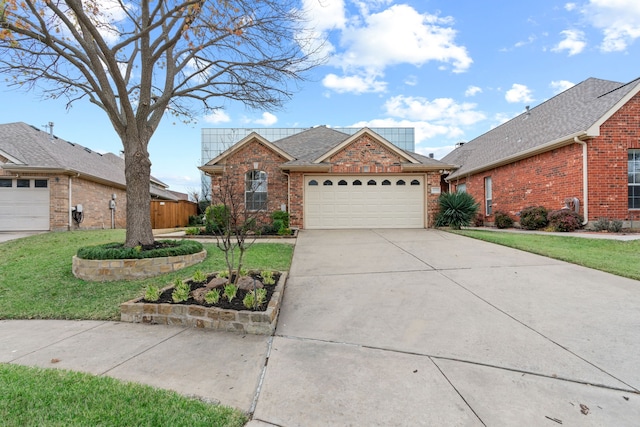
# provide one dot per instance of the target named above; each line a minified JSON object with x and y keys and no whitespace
{"x":621,"y":258}
{"x":51,"y":397}
{"x":36,"y":281}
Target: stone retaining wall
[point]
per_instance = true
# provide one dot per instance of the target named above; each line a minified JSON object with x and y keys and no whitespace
{"x":246,"y":322}
{"x":128,"y":269}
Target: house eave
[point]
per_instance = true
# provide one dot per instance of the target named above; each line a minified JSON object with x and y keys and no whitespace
{"x":410,"y":167}
{"x":23,"y":170}
{"x":306,"y":168}
{"x":552,"y":145}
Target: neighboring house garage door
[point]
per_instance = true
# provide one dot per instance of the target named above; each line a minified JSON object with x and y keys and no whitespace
{"x":24,"y":204}
{"x":364,"y":201}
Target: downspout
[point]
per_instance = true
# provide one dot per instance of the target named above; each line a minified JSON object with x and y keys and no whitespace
{"x":288,"y":192}
{"x":585,"y":182}
{"x":70,"y":193}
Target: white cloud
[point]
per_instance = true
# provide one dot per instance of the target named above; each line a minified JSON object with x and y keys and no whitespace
{"x":411,"y":80}
{"x":354,"y":84}
{"x":573,"y":42}
{"x":218,"y":116}
{"x":472,"y":91}
{"x":371,"y":42}
{"x":518,"y":93}
{"x":267,"y":119}
{"x":559,"y":86}
{"x":570,"y":6}
{"x":619,"y":21}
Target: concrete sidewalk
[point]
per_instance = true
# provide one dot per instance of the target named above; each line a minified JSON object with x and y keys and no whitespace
{"x":391,"y":327}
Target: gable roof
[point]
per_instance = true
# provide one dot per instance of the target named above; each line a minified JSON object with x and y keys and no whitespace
{"x":576,"y":112}
{"x":28,"y":149}
{"x":308,"y":149}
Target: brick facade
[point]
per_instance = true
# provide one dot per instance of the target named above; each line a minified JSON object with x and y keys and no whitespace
{"x":549,"y":178}
{"x":362,"y":156}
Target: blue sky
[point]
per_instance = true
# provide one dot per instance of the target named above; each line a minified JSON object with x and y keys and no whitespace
{"x":451,"y":69}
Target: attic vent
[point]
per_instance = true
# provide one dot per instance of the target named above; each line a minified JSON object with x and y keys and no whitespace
{"x":88,"y":150}
{"x":72,"y":144}
{"x":459,"y":144}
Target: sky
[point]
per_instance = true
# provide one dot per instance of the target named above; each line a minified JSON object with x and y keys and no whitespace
{"x":453,"y":70}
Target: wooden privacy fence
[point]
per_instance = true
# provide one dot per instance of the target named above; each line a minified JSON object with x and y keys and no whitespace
{"x":172,"y":213}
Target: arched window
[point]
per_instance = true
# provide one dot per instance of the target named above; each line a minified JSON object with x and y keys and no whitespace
{"x":313,"y":182}
{"x":386,"y":182}
{"x":372,"y":182}
{"x":342,"y":182}
{"x":357,"y":182}
{"x":400,"y":182}
{"x":415,"y":182}
{"x":255,"y":193}
{"x":327,"y":182}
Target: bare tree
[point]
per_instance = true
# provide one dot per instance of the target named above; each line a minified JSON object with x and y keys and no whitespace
{"x":236,"y":220}
{"x":139,"y":60}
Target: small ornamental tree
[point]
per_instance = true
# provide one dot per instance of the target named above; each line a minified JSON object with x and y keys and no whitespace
{"x":235,"y":225}
{"x":140,"y":60}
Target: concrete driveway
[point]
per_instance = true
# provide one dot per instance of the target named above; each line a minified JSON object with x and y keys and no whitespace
{"x":422,"y":327}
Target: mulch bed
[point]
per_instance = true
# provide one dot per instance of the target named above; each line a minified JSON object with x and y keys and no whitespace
{"x":235,"y":304}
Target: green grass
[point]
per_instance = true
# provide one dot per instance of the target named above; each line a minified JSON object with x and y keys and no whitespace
{"x":612,"y":256}
{"x":51,"y":397}
{"x":36,"y":279}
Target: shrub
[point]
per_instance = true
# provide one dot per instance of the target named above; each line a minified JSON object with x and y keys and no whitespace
{"x":216,"y":218}
{"x":277,"y":225}
{"x":602,"y":224}
{"x":162,"y":248}
{"x":565,"y":220}
{"x":181,"y":291}
{"x":534,"y":218}
{"x":212,"y":297}
{"x":615,"y":226}
{"x":280,"y":215}
{"x":456,"y":210}
{"x":503,"y":220}
{"x":195,"y":220}
{"x":479,"y":220}
{"x":192,"y":231}
{"x":152,"y":293}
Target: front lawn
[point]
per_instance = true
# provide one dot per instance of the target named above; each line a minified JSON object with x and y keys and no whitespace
{"x":36,"y":279}
{"x":612,"y":256}
{"x":51,"y":397}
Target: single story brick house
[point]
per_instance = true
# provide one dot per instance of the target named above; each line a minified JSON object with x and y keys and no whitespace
{"x":43,"y":179}
{"x":328,"y":179}
{"x":581,"y":145}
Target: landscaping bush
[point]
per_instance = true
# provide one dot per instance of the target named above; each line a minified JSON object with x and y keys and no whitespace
{"x":534,"y":218}
{"x":162,"y":248}
{"x":503,"y":220}
{"x":479,"y":220}
{"x":216,"y":216}
{"x":192,"y":231}
{"x":615,"y":226}
{"x":565,"y":220}
{"x":456,"y":210}
{"x":195,"y":220}
{"x":281,"y":215}
{"x":602,"y":224}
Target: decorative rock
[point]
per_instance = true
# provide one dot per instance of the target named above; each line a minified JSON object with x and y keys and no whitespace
{"x":217,"y":282}
{"x":246,"y":283}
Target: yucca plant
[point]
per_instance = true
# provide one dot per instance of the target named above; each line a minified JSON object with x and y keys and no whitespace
{"x":456,"y":210}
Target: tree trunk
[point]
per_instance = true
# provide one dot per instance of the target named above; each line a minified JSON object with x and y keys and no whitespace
{"x":138,"y":175}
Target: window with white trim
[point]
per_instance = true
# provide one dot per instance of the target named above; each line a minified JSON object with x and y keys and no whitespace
{"x":488,"y":196}
{"x":634,"y":178}
{"x":461,"y":188}
{"x":255,"y":195}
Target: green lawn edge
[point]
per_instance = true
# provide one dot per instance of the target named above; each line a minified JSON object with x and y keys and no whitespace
{"x":621,"y":258}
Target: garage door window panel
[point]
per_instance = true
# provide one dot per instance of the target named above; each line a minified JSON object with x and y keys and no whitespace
{"x":23,"y":183}
{"x":6,"y":183}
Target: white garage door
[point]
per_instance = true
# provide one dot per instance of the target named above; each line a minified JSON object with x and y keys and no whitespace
{"x":24,"y":204}
{"x":364,"y":202}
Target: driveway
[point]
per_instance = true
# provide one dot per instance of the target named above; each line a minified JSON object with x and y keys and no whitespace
{"x":422,"y":327}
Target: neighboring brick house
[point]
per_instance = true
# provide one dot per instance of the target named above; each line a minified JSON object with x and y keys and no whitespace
{"x":44,"y":178}
{"x":582,"y":144}
{"x":328,"y":179}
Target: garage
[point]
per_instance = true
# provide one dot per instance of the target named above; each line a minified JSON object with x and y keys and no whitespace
{"x":24,"y":204}
{"x":364,"y":201}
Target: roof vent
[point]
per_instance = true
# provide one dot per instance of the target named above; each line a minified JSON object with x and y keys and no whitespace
{"x":459,"y":144}
{"x":431,"y":155}
{"x":528,"y":113}
{"x":88,"y":150}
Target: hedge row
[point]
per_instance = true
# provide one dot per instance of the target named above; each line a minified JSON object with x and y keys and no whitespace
{"x":163,"y":248}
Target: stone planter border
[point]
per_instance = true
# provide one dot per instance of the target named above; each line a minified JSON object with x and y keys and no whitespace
{"x":127,"y":269}
{"x":246,"y":322}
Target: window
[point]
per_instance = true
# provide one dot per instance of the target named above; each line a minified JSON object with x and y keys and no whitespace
{"x":401,"y":182}
{"x":386,"y":182}
{"x":313,"y":182}
{"x":461,"y":188}
{"x":372,"y":182}
{"x":634,"y":179}
{"x":342,"y":182}
{"x":357,"y":182}
{"x":255,"y":196}
{"x":415,"y":182}
{"x":41,"y":183}
{"x":6,"y":183}
{"x":23,"y":183}
{"x":488,"y":196}
{"x":327,"y":182}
